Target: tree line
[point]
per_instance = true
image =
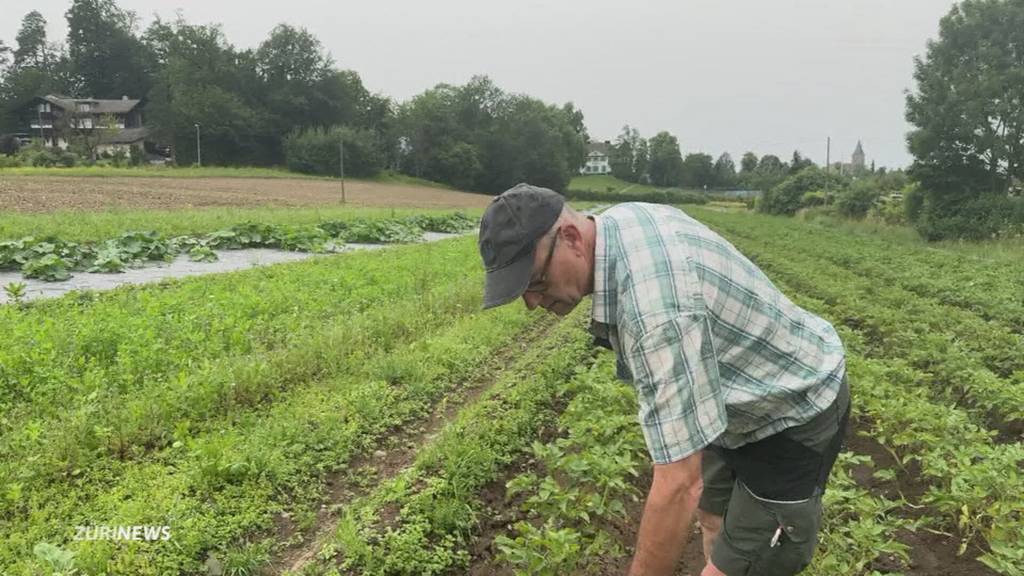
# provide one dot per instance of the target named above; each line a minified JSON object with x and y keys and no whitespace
{"x":287,"y":102}
{"x":658,"y":161}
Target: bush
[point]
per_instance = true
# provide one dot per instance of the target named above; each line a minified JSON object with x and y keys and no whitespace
{"x":39,"y":155}
{"x":913,"y":202}
{"x":9,"y":145}
{"x":979,"y":218}
{"x":119,"y":157}
{"x":315,"y":151}
{"x":812,"y":199}
{"x":855,"y":201}
{"x":787,"y":197}
{"x":665,"y":196}
{"x":888,"y":210}
{"x":10,"y":162}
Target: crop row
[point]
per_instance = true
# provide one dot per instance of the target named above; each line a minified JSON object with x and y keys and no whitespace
{"x":956,"y":350}
{"x":137,"y":369}
{"x":423,"y":520}
{"x":997,"y":345}
{"x":975,"y":484}
{"x":54,"y":259}
{"x":990,"y":288}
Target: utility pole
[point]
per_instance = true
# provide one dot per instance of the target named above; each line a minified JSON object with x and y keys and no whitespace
{"x":199,"y":148}
{"x":828,"y":165}
{"x":341,"y":163}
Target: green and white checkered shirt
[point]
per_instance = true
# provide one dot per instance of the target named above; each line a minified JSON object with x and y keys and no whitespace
{"x":716,"y":352}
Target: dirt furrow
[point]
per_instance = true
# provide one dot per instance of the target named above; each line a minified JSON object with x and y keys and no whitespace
{"x":397,"y":453}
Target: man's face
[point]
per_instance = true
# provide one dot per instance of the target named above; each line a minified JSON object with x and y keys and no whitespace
{"x":557,"y":267}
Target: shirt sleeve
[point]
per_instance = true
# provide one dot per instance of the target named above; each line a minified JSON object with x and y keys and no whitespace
{"x":675,"y":373}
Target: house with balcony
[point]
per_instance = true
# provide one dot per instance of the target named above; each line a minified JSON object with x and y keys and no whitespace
{"x":597,"y":158}
{"x":109,"y":125}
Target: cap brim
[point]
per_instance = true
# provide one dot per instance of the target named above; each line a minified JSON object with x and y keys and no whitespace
{"x":504,"y":285}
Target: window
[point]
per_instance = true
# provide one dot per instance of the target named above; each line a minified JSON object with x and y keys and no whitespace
{"x":86,"y":122}
{"x":84,"y":107}
{"x":44,"y":107}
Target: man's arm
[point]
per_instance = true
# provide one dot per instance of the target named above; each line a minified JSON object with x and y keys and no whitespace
{"x":668,"y":517}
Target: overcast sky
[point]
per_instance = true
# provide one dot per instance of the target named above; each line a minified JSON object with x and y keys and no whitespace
{"x":722,"y":75}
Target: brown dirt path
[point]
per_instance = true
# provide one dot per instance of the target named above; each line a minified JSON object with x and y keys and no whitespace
{"x":50,"y":193}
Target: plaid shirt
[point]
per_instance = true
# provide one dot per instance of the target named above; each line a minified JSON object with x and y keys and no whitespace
{"x":716,"y":352}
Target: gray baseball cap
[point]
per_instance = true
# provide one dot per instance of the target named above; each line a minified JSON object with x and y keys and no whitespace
{"x":509,"y":230}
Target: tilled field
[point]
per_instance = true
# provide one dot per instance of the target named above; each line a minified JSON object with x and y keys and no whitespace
{"x":50,"y":193}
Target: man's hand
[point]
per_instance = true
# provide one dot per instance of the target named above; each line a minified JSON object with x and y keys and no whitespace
{"x":668,"y":516}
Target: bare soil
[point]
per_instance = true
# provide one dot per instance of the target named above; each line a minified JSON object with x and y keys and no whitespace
{"x":51,"y":193}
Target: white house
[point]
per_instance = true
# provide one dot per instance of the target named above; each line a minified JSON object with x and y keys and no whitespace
{"x":597,"y":158}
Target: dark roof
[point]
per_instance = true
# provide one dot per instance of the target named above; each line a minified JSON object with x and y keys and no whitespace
{"x":121,"y":106}
{"x":602,"y":147}
{"x":126,"y":136}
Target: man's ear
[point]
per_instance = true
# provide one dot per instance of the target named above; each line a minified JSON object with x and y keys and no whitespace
{"x":573,"y":236}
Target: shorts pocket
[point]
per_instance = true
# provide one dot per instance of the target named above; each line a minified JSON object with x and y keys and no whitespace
{"x":763,"y":537}
{"x":797,"y":526}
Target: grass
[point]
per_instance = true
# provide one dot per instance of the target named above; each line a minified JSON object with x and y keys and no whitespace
{"x":95,"y":226}
{"x":608,"y":183}
{"x":1008,"y":250}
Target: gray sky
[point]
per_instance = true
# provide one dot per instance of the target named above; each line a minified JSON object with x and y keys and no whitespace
{"x":722,"y":75}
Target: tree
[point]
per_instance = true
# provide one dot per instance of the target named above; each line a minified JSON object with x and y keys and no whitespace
{"x":477,"y":137}
{"x":698,"y":171}
{"x":628,"y":156}
{"x":31,"y":39}
{"x":292,"y":56}
{"x":318,"y":151}
{"x":5,"y":59}
{"x":798,"y":162}
{"x":202,"y":79}
{"x":968,"y":114}
{"x":725,"y":171}
{"x":621,"y":155}
{"x":748,"y":163}
{"x":666,"y":162}
{"x":106,"y":57}
{"x":37,"y":68}
{"x":770,"y":164}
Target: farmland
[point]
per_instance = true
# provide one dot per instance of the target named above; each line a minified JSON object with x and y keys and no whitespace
{"x":33,"y":193}
{"x":358,"y":413}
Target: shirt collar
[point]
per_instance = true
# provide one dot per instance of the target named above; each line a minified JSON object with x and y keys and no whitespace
{"x":603,"y":306}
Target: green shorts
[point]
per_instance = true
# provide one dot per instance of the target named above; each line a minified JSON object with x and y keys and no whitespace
{"x":771,"y":518}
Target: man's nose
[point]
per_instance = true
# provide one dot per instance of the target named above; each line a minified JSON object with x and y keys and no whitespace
{"x":532,"y":299}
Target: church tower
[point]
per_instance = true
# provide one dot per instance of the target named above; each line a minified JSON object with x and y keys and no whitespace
{"x":858,"y":158}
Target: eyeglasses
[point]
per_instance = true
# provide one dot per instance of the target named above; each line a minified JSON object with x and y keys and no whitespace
{"x":541,"y":284}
